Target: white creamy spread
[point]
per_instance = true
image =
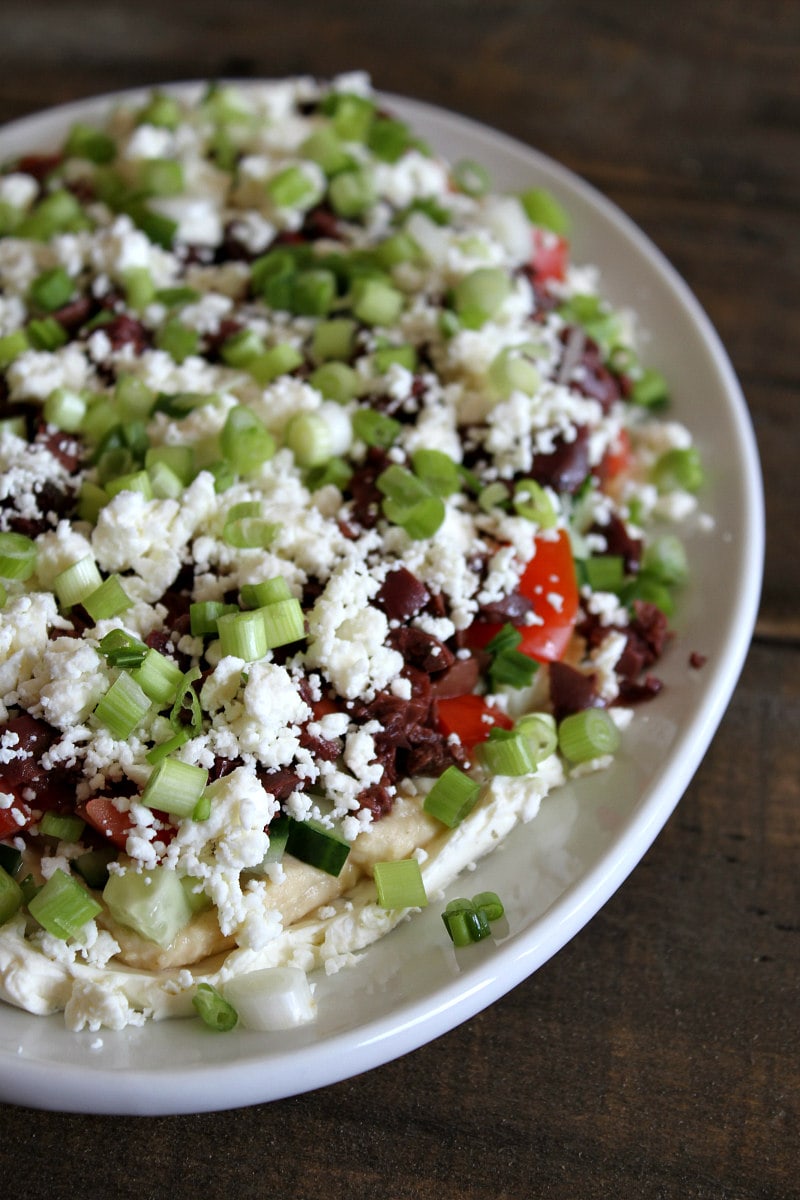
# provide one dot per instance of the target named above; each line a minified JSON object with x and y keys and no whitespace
{"x":231,"y":330}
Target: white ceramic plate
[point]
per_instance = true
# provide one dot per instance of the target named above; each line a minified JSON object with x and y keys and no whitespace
{"x":556,"y":872}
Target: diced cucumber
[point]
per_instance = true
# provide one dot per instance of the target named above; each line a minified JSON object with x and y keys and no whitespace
{"x":153,"y":902}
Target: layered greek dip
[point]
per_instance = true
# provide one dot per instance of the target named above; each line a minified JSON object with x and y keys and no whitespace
{"x":337,"y":528}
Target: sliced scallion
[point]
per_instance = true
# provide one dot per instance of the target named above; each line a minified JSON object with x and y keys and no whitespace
{"x":245,"y":441}
{"x":506,"y":752}
{"x":586,"y":735}
{"x":243,"y":635}
{"x":109,"y":600}
{"x":17,"y":556}
{"x":399,"y":884}
{"x":158,"y":677}
{"x":10,"y":896}
{"x":452,"y":797}
{"x":64,"y":826}
{"x":269,"y":591}
{"x":213,"y":1009}
{"x":175,"y":787}
{"x":122,"y":707}
{"x":204,"y":614}
{"x":76,"y":582}
{"x":62,"y":906}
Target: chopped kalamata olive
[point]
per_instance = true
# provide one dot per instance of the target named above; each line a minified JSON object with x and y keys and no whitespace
{"x":402,"y":596}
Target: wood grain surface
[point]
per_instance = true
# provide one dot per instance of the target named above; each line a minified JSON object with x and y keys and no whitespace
{"x":658,"y":1054}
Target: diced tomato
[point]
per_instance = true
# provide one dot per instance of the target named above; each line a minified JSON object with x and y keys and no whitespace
{"x":470,"y":717}
{"x":616,"y":460}
{"x":9,"y":826}
{"x":102,"y":814}
{"x":324,"y":708}
{"x":550,"y":583}
{"x":549,"y":255}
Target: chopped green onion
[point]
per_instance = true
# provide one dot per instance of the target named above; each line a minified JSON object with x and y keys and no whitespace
{"x":530,"y":500}
{"x":480,"y":295}
{"x":174,"y":297}
{"x":333,"y":339}
{"x":241,"y":348}
{"x":494,"y":495}
{"x":153,"y":902}
{"x":325,"y":148}
{"x":437,"y":470}
{"x":283,"y":622}
{"x":587,"y":735}
{"x":249,"y":533}
{"x":291,"y":188}
{"x":539,"y":731}
{"x":109,"y":600}
{"x":12,"y":345}
{"x":399,"y":884}
{"x":259,"y":595}
{"x":308,"y":436}
{"x":313,"y":293}
{"x":351,"y":193}
{"x":465,"y":923}
{"x":65,"y":827}
{"x":76,"y":582}
{"x":471,"y":177}
{"x":509,"y":666}
{"x":62,"y":907}
{"x":336,"y":381}
{"x":490,"y":904}
{"x":275,"y":361}
{"x":164,"y":483}
{"x":17,"y":556}
{"x":335,"y":471}
{"x":389,"y":356}
{"x":121,"y":650}
{"x":650,"y":389}
{"x":542,"y":208}
{"x":52,"y":289}
{"x":679,"y":469}
{"x":133,"y":481}
{"x":389,"y":139}
{"x":179,"y":341}
{"x":312,"y":843}
{"x":160,"y":177}
{"x":186,"y":712}
{"x":204,"y":614}
{"x":243,"y":635}
{"x":123,"y":707}
{"x":409,"y":502}
{"x":65,"y":409}
{"x":665,"y":558}
{"x":162,"y":111}
{"x":58,"y":212}
{"x":46,"y":334}
{"x":213,"y":1009}
{"x":452,"y":797}
{"x":245,"y":440}
{"x":179,"y":459}
{"x":506,"y":752}
{"x":272,"y":998}
{"x":352,"y":115}
{"x":11,"y":898}
{"x":512,"y":371}
{"x":605,"y":572}
{"x":158,"y":677}
{"x":375,"y":428}
{"x":376,"y":302}
{"x":83,"y":141}
{"x":158,"y":753}
{"x":175,"y":787}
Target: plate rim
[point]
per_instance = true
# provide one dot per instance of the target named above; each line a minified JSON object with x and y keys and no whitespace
{"x":94,"y":1088}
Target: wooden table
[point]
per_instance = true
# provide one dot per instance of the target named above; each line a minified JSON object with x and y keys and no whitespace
{"x":658,"y":1054}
